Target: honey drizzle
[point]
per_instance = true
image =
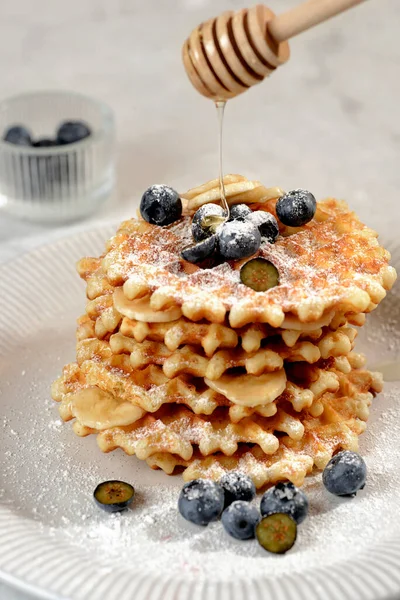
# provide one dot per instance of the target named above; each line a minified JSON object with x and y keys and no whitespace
{"x":220,"y":114}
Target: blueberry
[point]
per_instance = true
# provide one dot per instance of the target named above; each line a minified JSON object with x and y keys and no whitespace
{"x":160,"y":205}
{"x":44,"y":143}
{"x":205,"y":221}
{"x":200,"y":251}
{"x":267,"y":225}
{"x":285,"y":498}
{"x":240,"y":520}
{"x":18,"y":135}
{"x":72,"y":131}
{"x":237,"y":486}
{"x":201,"y":501}
{"x":238,"y":239}
{"x":345,"y":474}
{"x":296,"y":208}
{"x":239,"y":212}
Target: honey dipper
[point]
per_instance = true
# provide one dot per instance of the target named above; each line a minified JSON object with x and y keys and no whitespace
{"x":227,"y":54}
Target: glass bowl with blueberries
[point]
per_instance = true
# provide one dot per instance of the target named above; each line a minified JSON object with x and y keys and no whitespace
{"x":56,"y":155}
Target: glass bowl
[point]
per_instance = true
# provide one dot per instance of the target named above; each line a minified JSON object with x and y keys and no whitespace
{"x":57,"y":183}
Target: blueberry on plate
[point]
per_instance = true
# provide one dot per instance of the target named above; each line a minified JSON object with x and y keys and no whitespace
{"x":240,"y":520}
{"x":276,"y":533}
{"x":237,"y":486}
{"x":345,"y":474}
{"x":285,"y":498}
{"x":296,"y":208}
{"x":44,"y":143}
{"x":206,"y":220}
{"x":239,"y":212}
{"x":267,"y":225}
{"x":259,"y":274}
{"x":201,"y":501}
{"x":200,"y":251}
{"x":160,"y":205}
{"x":70,"y":132}
{"x":114,"y":496}
{"x":18,"y":135}
{"x":238,"y":239}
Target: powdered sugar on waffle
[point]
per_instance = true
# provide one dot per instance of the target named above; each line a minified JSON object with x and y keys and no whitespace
{"x":318,"y":264}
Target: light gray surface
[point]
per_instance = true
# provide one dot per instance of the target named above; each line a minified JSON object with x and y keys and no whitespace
{"x":327,"y":121}
{"x":8,"y":593}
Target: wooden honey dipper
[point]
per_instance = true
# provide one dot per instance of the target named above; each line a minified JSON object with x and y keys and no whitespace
{"x":226,"y":55}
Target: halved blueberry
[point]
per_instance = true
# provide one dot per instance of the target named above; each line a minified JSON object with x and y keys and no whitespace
{"x":113,"y":495}
{"x":259,"y":274}
{"x":206,"y":220}
{"x":160,"y":205}
{"x":240,"y":520}
{"x":345,"y":474}
{"x":276,"y":533}
{"x":18,"y":135}
{"x":237,"y":486}
{"x":70,"y":132}
{"x":238,"y":239}
{"x":200,"y":251}
{"x":267,"y":225}
{"x":296,"y":208}
{"x":201,"y":501}
{"x":285,"y":498}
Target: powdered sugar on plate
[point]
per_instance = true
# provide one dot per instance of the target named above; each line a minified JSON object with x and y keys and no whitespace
{"x":153,"y":536}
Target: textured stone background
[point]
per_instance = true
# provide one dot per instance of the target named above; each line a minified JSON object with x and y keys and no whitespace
{"x":328,"y":121}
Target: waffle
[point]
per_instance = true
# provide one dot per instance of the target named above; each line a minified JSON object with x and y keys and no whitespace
{"x":261,"y":369}
{"x":106,"y":364}
{"x":183,"y":331}
{"x":188,"y":360}
{"x":285,"y":464}
{"x":188,"y":369}
{"x":176,"y":430}
{"x":149,"y":389}
{"x":338,"y":427}
{"x":334,"y":263}
{"x":181,"y":427}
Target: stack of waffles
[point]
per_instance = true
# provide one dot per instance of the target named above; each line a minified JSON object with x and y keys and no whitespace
{"x":188,"y":368}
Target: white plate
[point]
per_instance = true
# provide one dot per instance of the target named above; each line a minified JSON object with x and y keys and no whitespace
{"x":56,"y":543}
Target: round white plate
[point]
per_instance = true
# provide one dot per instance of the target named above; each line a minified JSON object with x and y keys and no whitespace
{"x":56,"y":543}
